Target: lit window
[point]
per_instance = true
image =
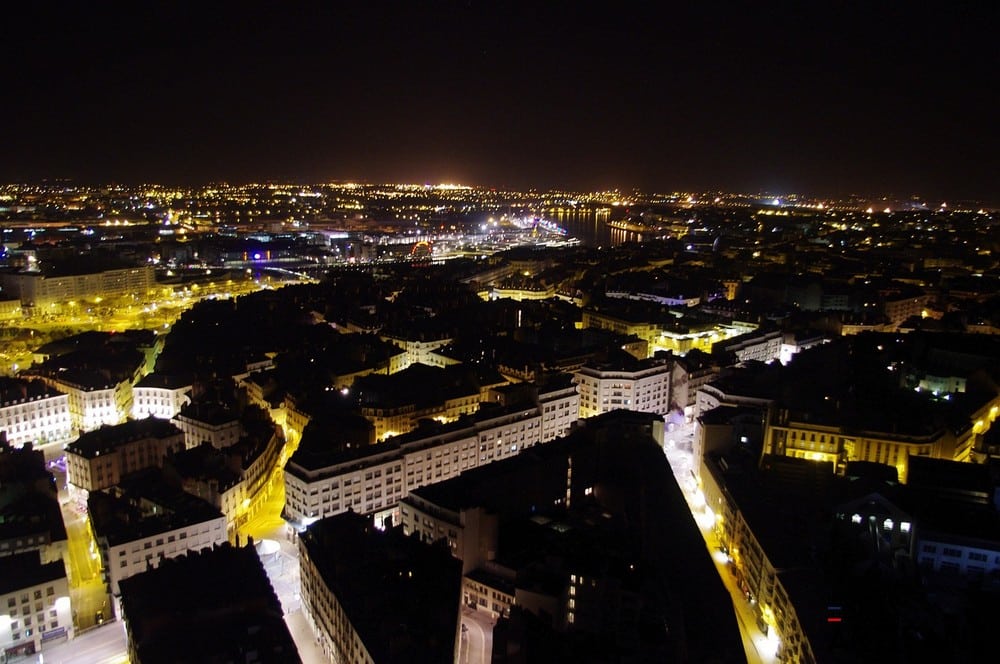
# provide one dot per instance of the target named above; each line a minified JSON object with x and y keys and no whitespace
{"x":887,"y":524}
{"x":904,"y":526}
{"x":856,"y":518}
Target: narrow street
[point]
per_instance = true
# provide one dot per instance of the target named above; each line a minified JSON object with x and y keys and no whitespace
{"x":91,"y":603}
{"x":759,"y":648}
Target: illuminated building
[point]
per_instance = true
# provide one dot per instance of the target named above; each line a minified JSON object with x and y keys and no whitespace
{"x":633,"y":325}
{"x":34,"y":599}
{"x":36,"y":289}
{"x":31,"y":412}
{"x":235,"y":479}
{"x":374,"y":478}
{"x":97,"y":379}
{"x":95,"y":401}
{"x":757,"y":345}
{"x":159,"y":395}
{"x":212,"y":422}
{"x":101,"y":458}
{"x":641,"y":385}
{"x":689,"y":374}
{"x":792,"y":344}
{"x":419,"y":348}
{"x":142,"y":522}
{"x":759,"y":521}
{"x":838,"y":444}
{"x":520,"y":292}
{"x":394,"y":404}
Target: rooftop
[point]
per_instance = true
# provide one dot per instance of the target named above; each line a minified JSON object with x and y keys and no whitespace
{"x":24,"y":570}
{"x":401,"y":595}
{"x":108,"y":438}
{"x":142,"y":506}
{"x":217,"y":603}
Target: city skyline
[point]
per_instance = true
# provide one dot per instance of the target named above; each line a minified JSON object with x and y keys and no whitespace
{"x":822,"y":101}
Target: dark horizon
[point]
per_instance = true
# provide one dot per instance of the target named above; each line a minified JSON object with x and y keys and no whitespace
{"x":815,"y":101}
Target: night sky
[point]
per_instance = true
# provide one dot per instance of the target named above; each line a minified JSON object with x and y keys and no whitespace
{"x":771,"y":97}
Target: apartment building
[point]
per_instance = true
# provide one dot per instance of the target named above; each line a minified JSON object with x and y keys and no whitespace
{"x":35,"y":601}
{"x":32,"y":412}
{"x":374,"y":478}
{"x":138,"y":526}
{"x":160,"y":395}
{"x":100,"y":459}
{"x":630,"y":384}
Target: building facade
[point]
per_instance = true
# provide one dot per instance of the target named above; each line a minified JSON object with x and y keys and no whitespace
{"x":35,"y":606}
{"x":378,"y":479}
{"x":99,"y":459}
{"x":645,"y":388}
{"x":36,"y":289}
{"x":208,"y":422}
{"x":159,"y":396}
{"x":31,"y":412}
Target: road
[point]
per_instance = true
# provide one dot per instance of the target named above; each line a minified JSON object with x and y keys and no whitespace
{"x":102,"y":645}
{"x":477,"y":637}
{"x":759,"y":648}
{"x":83,"y":561}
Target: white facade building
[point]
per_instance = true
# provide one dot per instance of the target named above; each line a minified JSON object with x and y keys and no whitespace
{"x":418,"y":350}
{"x":961,"y":555}
{"x":35,"y":607}
{"x":99,"y":459}
{"x":214,"y":423}
{"x":127,"y":557}
{"x":32,"y":412}
{"x":160,"y":396}
{"x":375,"y":479}
{"x":93,"y":404}
{"x":37,"y":289}
{"x":644,"y":387}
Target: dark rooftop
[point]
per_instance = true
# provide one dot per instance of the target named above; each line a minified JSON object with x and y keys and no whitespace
{"x":106,"y":439}
{"x":164,"y":381}
{"x":213,"y":606}
{"x":145,"y":505}
{"x":401,"y":595}
{"x":23,"y":570}
{"x":16,"y":390}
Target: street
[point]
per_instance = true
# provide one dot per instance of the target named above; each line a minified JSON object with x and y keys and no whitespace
{"x":759,"y":648}
{"x":279,"y":554}
{"x":83,"y":561}
{"x":101,"y":645}
{"x":477,"y":637}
